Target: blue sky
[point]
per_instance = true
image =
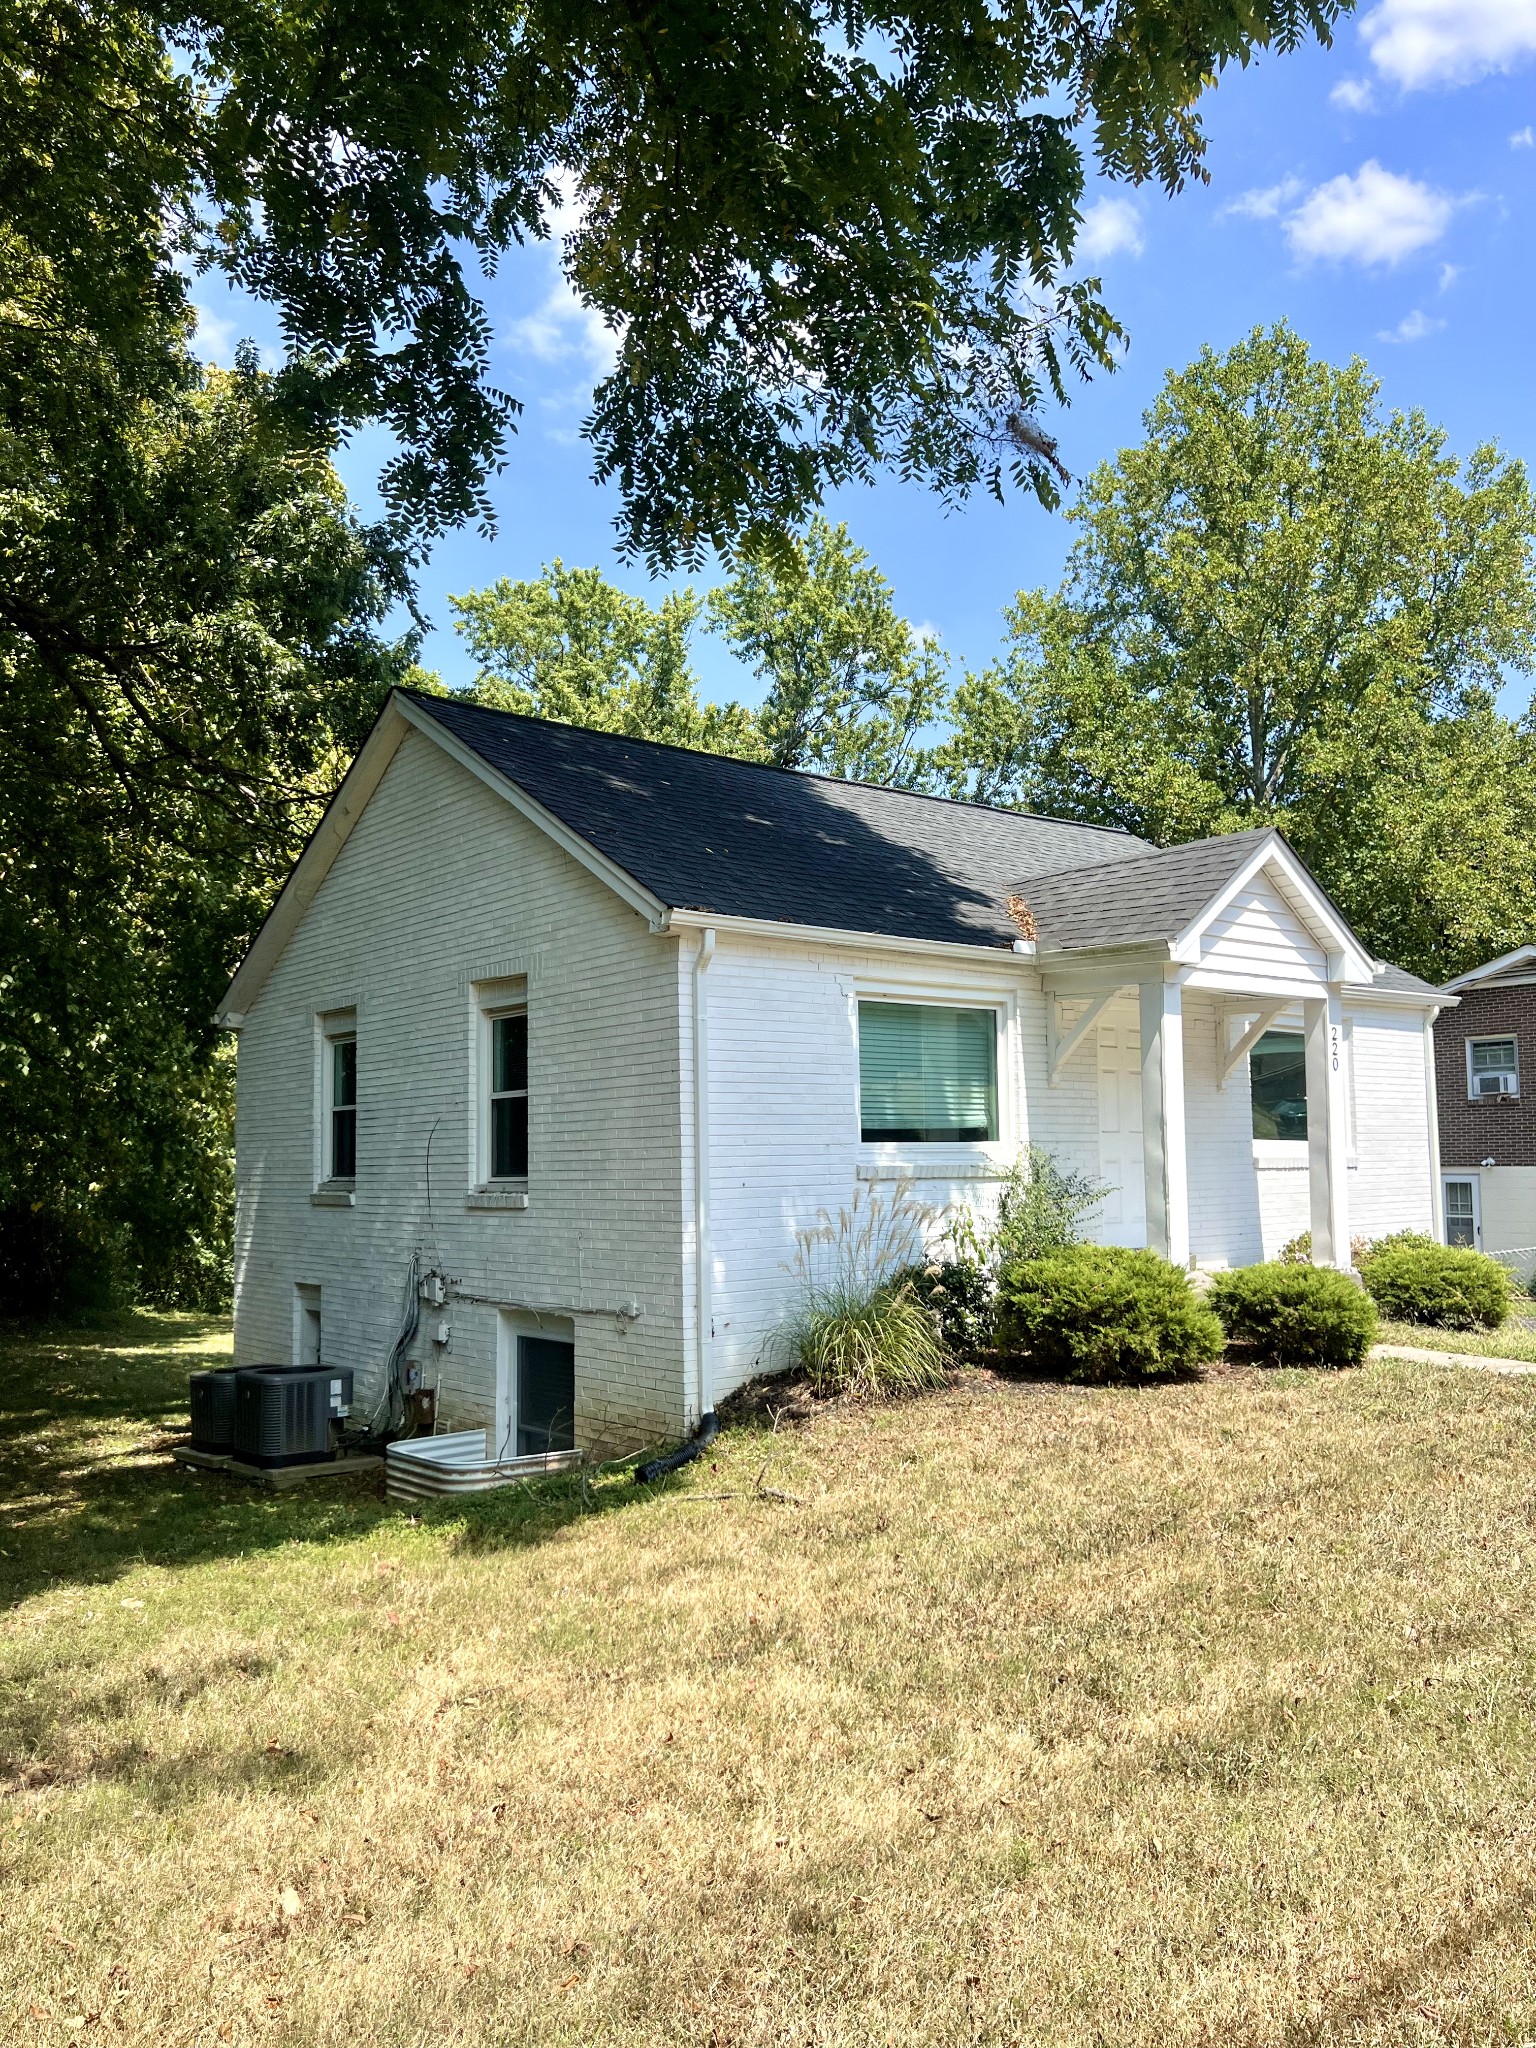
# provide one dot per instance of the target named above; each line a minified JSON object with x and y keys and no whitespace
{"x":1380,"y":195}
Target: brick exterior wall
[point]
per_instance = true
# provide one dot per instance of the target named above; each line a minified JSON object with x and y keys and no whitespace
{"x":1502,"y":1128}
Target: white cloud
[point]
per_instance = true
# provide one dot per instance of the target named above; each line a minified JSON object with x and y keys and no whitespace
{"x":1412,"y":327}
{"x":1264,"y":202}
{"x":1448,"y":42}
{"x":563,"y":330}
{"x":1449,"y":272}
{"x":213,"y":338}
{"x":1373,"y":217}
{"x":1111,"y":227}
{"x":1523,"y":138}
{"x":1354,"y":94}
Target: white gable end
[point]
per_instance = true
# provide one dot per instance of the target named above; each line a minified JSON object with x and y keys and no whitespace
{"x":1260,"y":944}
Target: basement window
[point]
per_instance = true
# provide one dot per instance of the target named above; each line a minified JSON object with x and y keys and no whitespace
{"x":927,"y":1074}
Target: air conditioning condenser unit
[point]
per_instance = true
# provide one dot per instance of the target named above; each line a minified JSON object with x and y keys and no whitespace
{"x":288,"y":1415}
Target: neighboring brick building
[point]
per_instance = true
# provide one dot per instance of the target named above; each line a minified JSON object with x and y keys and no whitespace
{"x":1485,"y":1080}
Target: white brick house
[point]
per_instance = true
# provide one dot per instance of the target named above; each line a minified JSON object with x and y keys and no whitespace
{"x":588,"y":1028}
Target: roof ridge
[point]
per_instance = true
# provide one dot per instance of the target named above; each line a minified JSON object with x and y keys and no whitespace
{"x":428,"y":698}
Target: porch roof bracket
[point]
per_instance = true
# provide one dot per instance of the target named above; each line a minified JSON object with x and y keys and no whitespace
{"x":1233,"y":1056}
{"x":1062,"y":1048}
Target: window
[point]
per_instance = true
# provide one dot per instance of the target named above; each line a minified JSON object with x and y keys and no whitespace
{"x":926,"y":1075}
{"x":1493,"y":1067}
{"x":508,"y":1154}
{"x":340,"y":1055}
{"x":546,"y":1396}
{"x":1277,"y":1069}
{"x":1461,"y":1218}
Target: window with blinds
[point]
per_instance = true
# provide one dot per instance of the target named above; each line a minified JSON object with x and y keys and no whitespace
{"x":926,"y":1075}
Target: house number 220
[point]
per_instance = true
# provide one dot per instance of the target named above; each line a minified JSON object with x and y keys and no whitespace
{"x":1333,"y":1036}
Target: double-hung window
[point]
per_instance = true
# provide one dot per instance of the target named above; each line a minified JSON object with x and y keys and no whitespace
{"x":1493,"y":1067}
{"x":507,"y":1149}
{"x":927,"y":1074}
{"x":338,"y":1097}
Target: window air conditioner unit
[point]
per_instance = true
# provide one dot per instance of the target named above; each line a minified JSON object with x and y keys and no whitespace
{"x":1498,"y":1084}
{"x":287,"y":1415}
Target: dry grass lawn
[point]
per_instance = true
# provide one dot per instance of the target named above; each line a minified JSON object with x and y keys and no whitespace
{"x":1052,"y":1717}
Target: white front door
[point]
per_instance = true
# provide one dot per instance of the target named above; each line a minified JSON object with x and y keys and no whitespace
{"x":1463,"y":1211}
{"x":1123,"y":1218}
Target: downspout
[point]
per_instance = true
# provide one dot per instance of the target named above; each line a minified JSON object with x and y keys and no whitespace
{"x":1432,"y":1104}
{"x":703,"y":1306}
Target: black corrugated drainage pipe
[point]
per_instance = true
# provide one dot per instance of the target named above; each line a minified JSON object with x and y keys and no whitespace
{"x":674,"y":1461}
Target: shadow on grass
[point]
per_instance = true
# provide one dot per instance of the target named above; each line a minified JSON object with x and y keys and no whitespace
{"x":89,"y":1415}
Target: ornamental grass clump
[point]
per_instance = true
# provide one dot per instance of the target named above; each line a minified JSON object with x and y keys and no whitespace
{"x":874,"y":1342}
{"x":1295,"y":1314}
{"x":1103,"y":1313}
{"x":862,"y":1327}
{"x":1441,"y":1285}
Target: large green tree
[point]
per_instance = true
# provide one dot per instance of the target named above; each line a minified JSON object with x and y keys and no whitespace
{"x":1287,"y":607}
{"x":850,"y":688}
{"x":825,"y":236}
{"x":190,"y":648}
{"x":569,"y":645}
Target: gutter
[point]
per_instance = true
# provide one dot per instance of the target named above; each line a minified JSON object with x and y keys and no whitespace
{"x":703,"y":1305}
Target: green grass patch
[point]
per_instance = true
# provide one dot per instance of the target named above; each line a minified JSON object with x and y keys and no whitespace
{"x":1054,"y":1715}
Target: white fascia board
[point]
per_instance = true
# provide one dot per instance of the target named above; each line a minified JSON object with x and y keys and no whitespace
{"x":1087,"y":970}
{"x":1348,"y":959}
{"x":312,"y":866}
{"x":619,"y":879}
{"x":1489,"y":968}
{"x":777,"y":931}
{"x":1432,"y":999}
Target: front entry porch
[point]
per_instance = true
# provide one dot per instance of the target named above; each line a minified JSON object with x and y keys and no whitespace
{"x":1176,"y":1145}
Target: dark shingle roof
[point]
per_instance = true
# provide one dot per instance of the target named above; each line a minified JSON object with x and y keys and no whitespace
{"x":709,"y":833}
{"x":1149,"y":893}
{"x":1407,"y":984}
{"x":704,"y":832}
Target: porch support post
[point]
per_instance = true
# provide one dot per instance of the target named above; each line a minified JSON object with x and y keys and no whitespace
{"x":1162,"y":1119}
{"x":1327,"y":1130}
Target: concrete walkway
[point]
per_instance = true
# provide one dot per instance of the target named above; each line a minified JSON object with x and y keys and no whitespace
{"x":1516,"y":1368}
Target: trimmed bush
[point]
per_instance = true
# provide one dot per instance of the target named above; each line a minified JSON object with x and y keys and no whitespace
{"x":1099,"y":1312}
{"x":873,"y":1341}
{"x":1295,"y":1315}
{"x":1441,"y":1285}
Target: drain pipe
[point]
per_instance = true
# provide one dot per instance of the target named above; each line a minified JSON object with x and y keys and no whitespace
{"x":703,"y":1306}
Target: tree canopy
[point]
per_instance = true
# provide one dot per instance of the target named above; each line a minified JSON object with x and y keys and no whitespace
{"x":849,"y":689}
{"x":825,"y":237}
{"x":189,"y":652}
{"x":1284,"y":607}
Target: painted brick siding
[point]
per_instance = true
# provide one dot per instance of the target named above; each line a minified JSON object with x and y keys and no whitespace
{"x":442,"y":884}
{"x":1503,"y":1129}
{"x":784,"y":1137}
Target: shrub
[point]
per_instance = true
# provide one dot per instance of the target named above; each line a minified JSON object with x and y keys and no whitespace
{"x":1295,"y":1314}
{"x":958,"y":1294}
{"x":1396,"y":1241}
{"x":1041,"y":1209}
{"x":1297,"y":1251}
{"x":1098,"y":1312}
{"x":1437,"y":1283}
{"x":881,"y":1340}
